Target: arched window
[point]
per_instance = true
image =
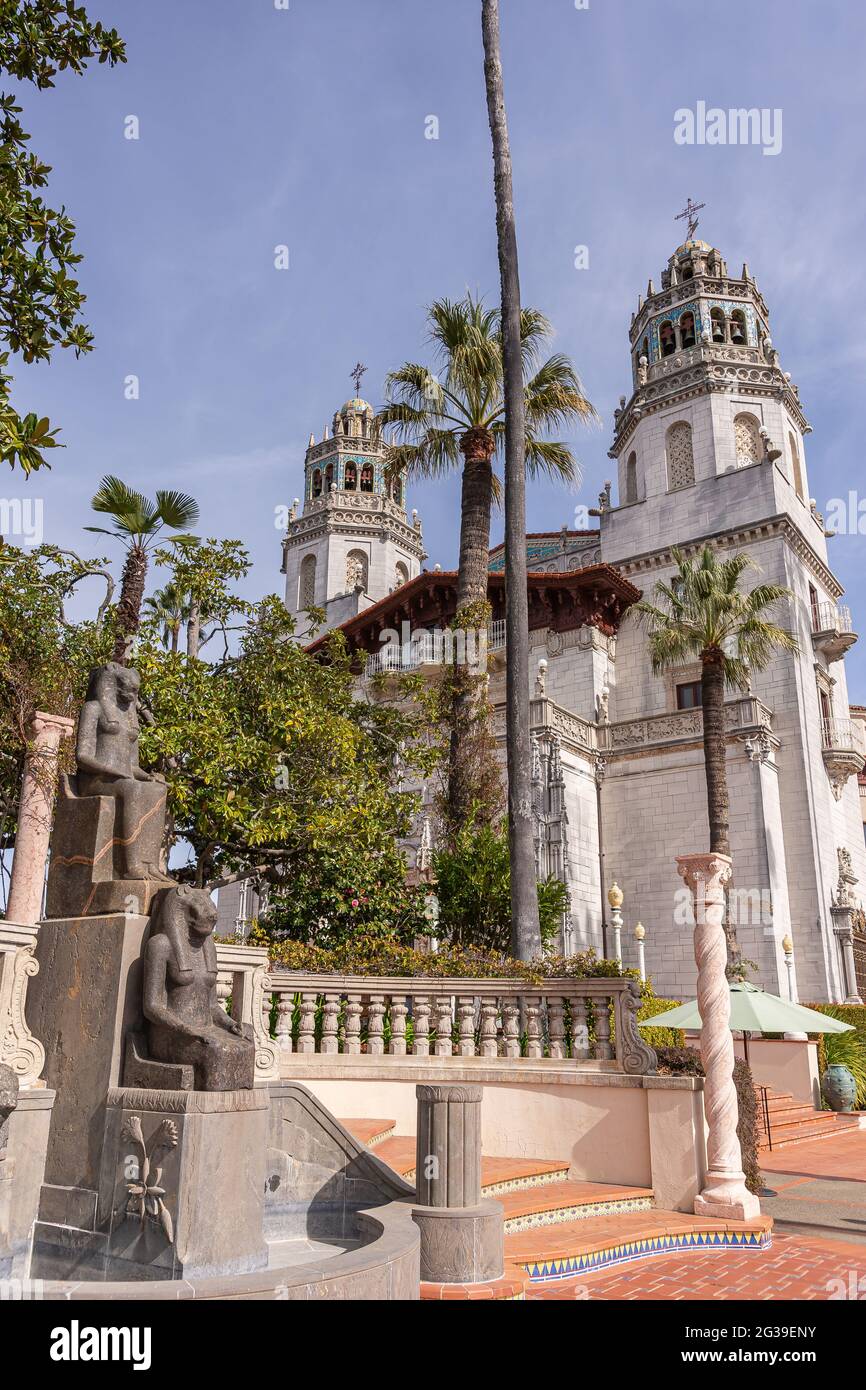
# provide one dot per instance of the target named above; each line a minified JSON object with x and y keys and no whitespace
{"x":356,"y":570}
{"x":796,"y":468}
{"x":645,"y":352}
{"x":681,"y":459}
{"x":351,"y":477}
{"x":317,"y":482}
{"x":631,"y":479}
{"x":687,"y":271}
{"x":667,"y":339}
{"x":718,"y":325}
{"x":307,"y":588}
{"x":397,"y":491}
{"x":747,"y":438}
{"x":329,"y":477}
{"x":738,"y":328}
{"x":367,"y":478}
{"x":401,"y":574}
{"x":687,"y":330}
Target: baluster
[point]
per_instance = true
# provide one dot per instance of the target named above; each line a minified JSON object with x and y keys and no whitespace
{"x":579,"y":1029}
{"x":331,"y":1023}
{"x":224,"y":989}
{"x":534,"y":1047}
{"x":397,"y":1046}
{"x":466,"y":1025}
{"x":556,"y":1026}
{"x":285,"y":1008}
{"x":421,"y":1021}
{"x":511,"y":1027}
{"x":353,"y":1023}
{"x":444,"y":1046}
{"x":376,"y":1025}
{"x":267,"y":1005}
{"x":489,"y":1011}
{"x":601,"y":1011}
{"x":307,"y":1029}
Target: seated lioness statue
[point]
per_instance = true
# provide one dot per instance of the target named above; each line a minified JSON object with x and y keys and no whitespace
{"x":185,"y":1023}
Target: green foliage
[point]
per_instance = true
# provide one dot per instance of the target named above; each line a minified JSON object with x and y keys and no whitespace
{"x":201,"y":574}
{"x":40,"y":300}
{"x":845,"y":1049}
{"x":473,"y":885}
{"x":375,"y":955}
{"x":430,"y":412}
{"x":659,"y":1036}
{"x":702,"y":609}
{"x":685,"y":1061}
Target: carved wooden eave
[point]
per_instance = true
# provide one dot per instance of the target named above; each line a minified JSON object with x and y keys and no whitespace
{"x":597,"y":595}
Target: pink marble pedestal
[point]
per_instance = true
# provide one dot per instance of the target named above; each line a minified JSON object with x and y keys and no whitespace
{"x":34,"y":818}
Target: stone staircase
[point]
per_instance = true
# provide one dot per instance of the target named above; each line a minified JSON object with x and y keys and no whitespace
{"x":558,"y":1231}
{"x":797,"y":1122}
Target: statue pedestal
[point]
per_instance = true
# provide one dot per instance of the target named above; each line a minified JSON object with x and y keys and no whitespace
{"x":82,"y":1003}
{"x":88,"y":851}
{"x":23,"y":1142}
{"x":181,"y":1191}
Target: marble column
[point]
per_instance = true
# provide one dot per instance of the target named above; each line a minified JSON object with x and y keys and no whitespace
{"x":725,"y":1193}
{"x":35,"y":807}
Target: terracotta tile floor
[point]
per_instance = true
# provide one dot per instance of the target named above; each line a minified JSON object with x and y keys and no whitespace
{"x":843,"y":1156}
{"x":796,"y":1267}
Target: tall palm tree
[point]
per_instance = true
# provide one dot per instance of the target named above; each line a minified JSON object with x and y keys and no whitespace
{"x":525,"y":929}
{"x":138,"y":523}
{"x":703,"y":614}
{"x":456,"y":419}
{"x":171,"y":609}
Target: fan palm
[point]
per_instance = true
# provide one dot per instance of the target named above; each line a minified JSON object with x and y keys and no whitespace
{"x":138,"y":523}
{"x":456,"y":419}
{"x":703,"y":614}
{"x":170,"y":609}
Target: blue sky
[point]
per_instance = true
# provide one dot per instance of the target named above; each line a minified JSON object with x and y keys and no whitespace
{"x":306,"y":127}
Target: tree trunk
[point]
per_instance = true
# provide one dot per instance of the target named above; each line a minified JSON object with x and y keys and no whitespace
{"x":471,"y":770}
{"x":718,"y":808}
{"x":131,"y":598}
{"x":193,"y":629}
{"x":175,"y":636}
{"x":525,"y":933}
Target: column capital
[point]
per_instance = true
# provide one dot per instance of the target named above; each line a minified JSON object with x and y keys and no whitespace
{"x":41,"y":722}
{"x":714,"y":870}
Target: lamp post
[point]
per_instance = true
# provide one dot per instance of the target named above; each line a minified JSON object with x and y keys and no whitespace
{"x":615,"y":898}
{"x":639,"y":934}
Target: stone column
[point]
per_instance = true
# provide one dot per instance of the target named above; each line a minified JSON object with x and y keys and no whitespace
{"x":725,"y":1193}
{"x":843,"y":928}
{"x":34,"y":818}
{"x":461,"y":1234}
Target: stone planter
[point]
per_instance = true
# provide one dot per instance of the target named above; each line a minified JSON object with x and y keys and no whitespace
{"x":839,"y":1088}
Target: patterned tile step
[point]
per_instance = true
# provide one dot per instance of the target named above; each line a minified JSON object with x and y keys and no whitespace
{"x":498,"y":1175}
{"x":556,"y":1202}
{"x":369,"y":1132}
{"x":510,"y":1289}
{"x":580,"y":1247}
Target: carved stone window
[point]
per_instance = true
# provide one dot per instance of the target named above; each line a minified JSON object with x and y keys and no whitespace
{"x":631,"y":479}
{"x":796,"y":467}
{"x":356,"y":570}
{"x":681,"y":459}
{"x":308,"y":582}
{"x":747,"y":438}
{"x":401,"y":574}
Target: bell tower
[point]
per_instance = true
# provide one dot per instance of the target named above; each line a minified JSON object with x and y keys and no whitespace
{"x":350,"y":543}
{"x":713,"y":427}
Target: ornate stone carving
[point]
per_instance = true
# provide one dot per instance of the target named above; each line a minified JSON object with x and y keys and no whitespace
{"x":145,"y":1193}
{"x":19,"y":1050}
{"x":636,"y":1056}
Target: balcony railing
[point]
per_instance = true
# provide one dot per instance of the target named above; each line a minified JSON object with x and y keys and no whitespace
{"x":581,"y":1020}
{"x":439,"y":648}
{"x":844,"y":735}
{"x":832,"y":632}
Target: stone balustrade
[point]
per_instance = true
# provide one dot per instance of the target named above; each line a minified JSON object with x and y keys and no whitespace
{"x":559,"y":1019}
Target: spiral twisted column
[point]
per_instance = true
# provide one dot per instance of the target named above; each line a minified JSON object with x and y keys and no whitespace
{"x":34,"y":817}
{"x":725,"y":1192}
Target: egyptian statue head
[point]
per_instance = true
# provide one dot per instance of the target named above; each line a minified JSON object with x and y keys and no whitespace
{"x":185,"y":913}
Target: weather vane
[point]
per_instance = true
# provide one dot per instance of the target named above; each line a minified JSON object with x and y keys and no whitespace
{"x":356,"y":374}
{"x":690,"y":212}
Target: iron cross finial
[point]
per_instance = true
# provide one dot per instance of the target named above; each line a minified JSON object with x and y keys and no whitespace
{"x":690,"y":212}
{"x":356,"y":374}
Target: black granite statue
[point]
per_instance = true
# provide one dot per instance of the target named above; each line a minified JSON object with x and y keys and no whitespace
{"x":186,"y":1024}
{"x":105,"y":849}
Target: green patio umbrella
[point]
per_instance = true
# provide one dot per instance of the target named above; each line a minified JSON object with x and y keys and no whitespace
{"x":753,"y":1010}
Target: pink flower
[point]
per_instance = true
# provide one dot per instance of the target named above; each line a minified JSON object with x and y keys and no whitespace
{"x":355,"y":902}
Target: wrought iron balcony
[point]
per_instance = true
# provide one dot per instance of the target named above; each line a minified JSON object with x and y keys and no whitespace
{"x":843,"y":745}
{"x":440,"y":648}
